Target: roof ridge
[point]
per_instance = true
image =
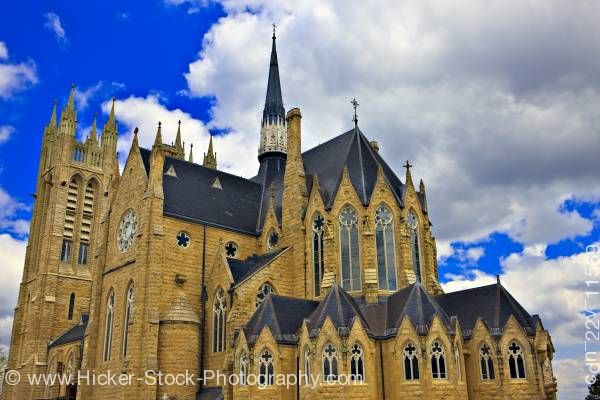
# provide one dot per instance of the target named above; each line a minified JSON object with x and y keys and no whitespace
{"x":328,"y":141}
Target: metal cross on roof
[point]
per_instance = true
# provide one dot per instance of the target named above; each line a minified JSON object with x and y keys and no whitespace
{"x":355,"y":105}
{"x":408,"y":166}
{"x":274,"y":27}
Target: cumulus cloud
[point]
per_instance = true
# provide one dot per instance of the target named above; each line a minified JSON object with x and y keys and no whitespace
{"x":498,"y":119}
{"x":571,"y":374}
{"x":54,"y":24}
{"x":14,"y":76}
{"x":106,"y":89}
{"x":9,"y":211}
{"x":5,"y":132}
{"x":12,"y":256}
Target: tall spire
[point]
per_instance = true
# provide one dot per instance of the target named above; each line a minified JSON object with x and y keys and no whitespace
{"x":178,"y":147}
{"x":52,"y":122}
{"x":71,"y":102}
{"x":191,"y":153}
{"x":210,"y":158}
{"x":273,"y":137}
{"x":158,"y":140}
{"x":111,"y":117}
{"x":68,"y":117}
{"x":94,"y":133}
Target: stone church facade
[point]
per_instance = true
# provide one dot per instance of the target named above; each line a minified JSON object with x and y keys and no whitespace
{"x":322,"y":265}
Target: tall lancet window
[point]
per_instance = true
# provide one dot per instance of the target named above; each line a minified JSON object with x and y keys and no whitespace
{"x":318,"y":256}
{"x":128,"y":322}
{"x":219,"y":318}
{"x":108,"y":327}
{"x":349,"y":249}
{"x":413,"y":227}
{"x":386,"y":254}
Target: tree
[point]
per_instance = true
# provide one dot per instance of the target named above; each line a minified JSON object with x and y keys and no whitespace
{"x":594,"y":389}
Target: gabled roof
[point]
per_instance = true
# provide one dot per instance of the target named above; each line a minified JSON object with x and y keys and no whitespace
{"x":74,"y":334}
{"x":492,"y":303}
{"x":352,"y":150}
{"x":415,"y":303}
{"x":283,"y":316}
{"x":191,"y":195}
{"x":342,"y":310}
{"x":241,"y":269}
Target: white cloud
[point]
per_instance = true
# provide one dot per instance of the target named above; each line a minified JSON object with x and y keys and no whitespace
{"x":6,"y":331}
{"x":14,"y":77}
{"x":53,"y":23}
{"x":9,"y":208}
{"x":5,"y":132}
{"x":571,"y":374}
{"x":501,"y":130}
{"x":12,"y":257}
{"x":3,"y":51}
{"x":82,"y":96}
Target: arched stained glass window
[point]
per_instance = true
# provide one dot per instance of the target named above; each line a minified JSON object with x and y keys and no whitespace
{"x":357,"y":364}
{"x":244,"y":369}
{"x":219,"y":321}
{"x":307,"y":365}
{"x":438,"y":361}
{"x":413,"y":227}
{"x":318,"y":226}
{"x":349,"y":249}
{"x":108,"y":327}
{"x":128,"y":321}
{"x":411,"y":362}
{"x":516,"y":362}
{"x":265,"y":369}
{"x":71,"y":306}
{"x":386,"y":254}
{"x":330,"y":363}
{"x":486,"y":362}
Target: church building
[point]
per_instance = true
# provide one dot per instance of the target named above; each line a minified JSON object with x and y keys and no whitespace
{"x":322,"y":265}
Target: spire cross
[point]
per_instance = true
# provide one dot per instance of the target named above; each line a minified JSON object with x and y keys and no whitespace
{"x":408,"y":166}
{"x":355,"y":105}
{"x":274,"y":27}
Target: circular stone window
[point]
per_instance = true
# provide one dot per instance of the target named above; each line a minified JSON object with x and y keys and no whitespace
{"x":273,"y":239}
{"x":263,"y":292}
{"x":231,"y":249}
{"x":183,"y":239}
{"x":126,"y":231}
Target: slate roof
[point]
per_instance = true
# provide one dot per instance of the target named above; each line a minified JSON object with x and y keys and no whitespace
{"x":273,"y":100}
{"x":283,"y":316}
{"x":240,"y":269}
{"x":74,"y":334}
{"x":351,"y":149}
{"x":492,"y":303}
{"x":341,"y":308}
{"x":191,"y":196}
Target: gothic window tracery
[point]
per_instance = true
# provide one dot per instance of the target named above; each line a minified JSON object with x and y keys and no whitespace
{"x":385,"y":244}
{"x":411,"y":362}
{"x":516,"y":361}
{"x":486,"y":362}
{"x":330,"y":363}
{"x":183,"y":239}
{"x":349,"y":249}
{"x":128,"y":322}
{"x":127,"y":230}
{"x":231,"y":249}
{"x":265,"y":369}
{"x":413,"y":226}
{"x":357,"y":364}
{"x":264,"y":290}
{"x":244,"y":369}
{"x":272,"y":239}
{"x":438,"y":361}
{"x":307,"y":364}
{"x":318,"y":227}
{"x":219,"y":321}
{"x":108,"y":326}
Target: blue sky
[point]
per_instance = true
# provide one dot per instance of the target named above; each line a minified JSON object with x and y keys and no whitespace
{"x":495,"y":105}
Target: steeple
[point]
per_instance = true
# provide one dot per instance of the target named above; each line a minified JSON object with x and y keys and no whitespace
{"x":210,"y":158}
{"x":191,"y":153}
{"x":111,"y":118}
{"x":68,"y":117}
{"x":94,"y":133}
{"x":273,"y":138}
{"x":52,"y":122}
{"x":158,"y":139}
{"x":178,"y":147}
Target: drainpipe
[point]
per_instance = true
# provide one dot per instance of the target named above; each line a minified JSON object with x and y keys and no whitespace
{"x":203,"y":298}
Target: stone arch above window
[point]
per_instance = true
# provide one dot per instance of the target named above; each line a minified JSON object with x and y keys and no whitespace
{"x":330,"y":362}
{"x":357,"y":363}
{"x":128,"y":318}
{"x":219,"y":321}
{"x":109,"y":324}
{"x":266,"y":368}
{"x":486,"y":362}
{"x":318,"y":228}
{"x":412,"y":223}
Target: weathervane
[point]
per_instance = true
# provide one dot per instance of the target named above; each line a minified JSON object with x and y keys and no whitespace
{"x":355,"y":105}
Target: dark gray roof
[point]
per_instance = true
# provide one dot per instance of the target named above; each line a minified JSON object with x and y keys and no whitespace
{"x":74,"y":334}
{"x":283,"y":316}
{"x":351,"y":149}
{"x":415,"y":303}
{"x":191,"y":195}
{"x":492,"y":303}
{"x":240,"y":269}
{"x":214,"y":393}
{"x":341,"y":308}
{"x":270,"y":177}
